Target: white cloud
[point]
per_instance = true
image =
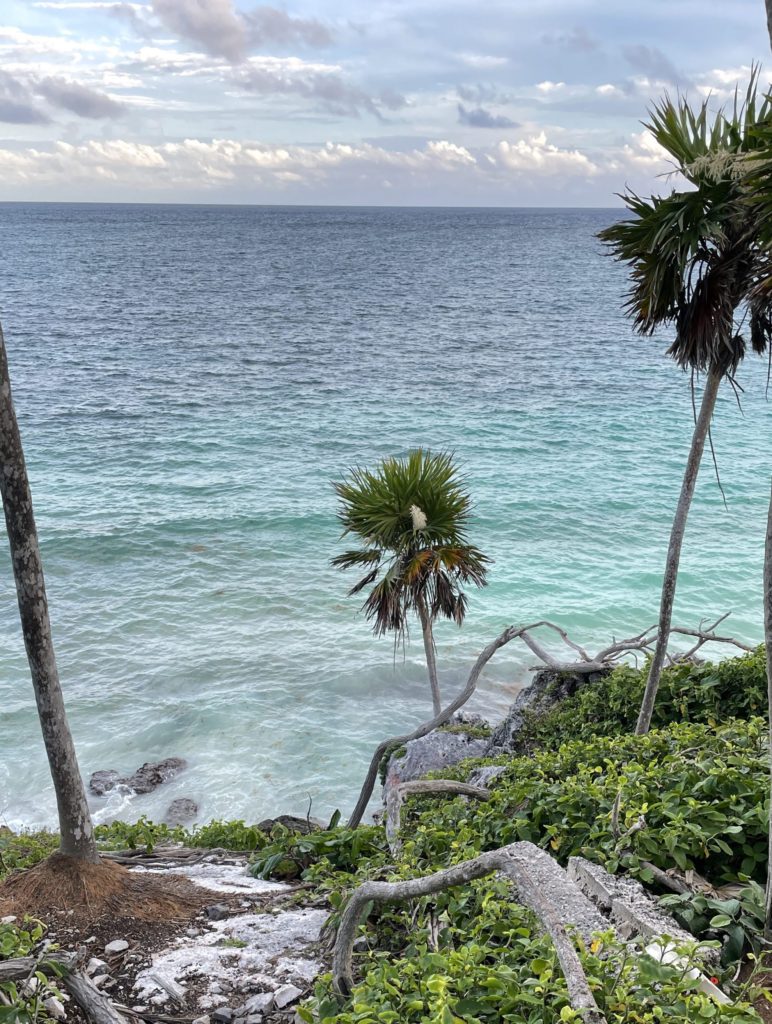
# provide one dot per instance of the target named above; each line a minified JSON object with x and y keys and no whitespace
{"x":644,"y":153}
{"x":537,"y":154}
{"x":207,"y":164}
{"x":86,"y":5}
{"x":550,"y":87}
{"x":482,"y":60}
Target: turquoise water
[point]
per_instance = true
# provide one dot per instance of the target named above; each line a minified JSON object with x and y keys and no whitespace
{"x":189,"y":380}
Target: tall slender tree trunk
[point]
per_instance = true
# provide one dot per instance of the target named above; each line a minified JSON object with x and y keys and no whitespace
{"x":701,"y":428}
{"x":769,"y":20}
{"x":77,"y":833}
{"x":431,"y":658}
{"x":768,"y":642}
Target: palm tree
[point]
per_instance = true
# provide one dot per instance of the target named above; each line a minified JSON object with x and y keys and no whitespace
{"x":411,"y":516}
{"x":695,"y":260}
{"x":76,"y":831}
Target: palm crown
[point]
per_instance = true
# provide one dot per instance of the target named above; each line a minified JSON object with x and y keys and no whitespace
{"x":411,"y":515}
{"x":695,"y":255}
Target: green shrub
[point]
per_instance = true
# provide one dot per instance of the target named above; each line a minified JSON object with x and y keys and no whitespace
{"x":703,"y":792}
{"x":319,"y":855}
{"x":709,"y":693}
{"x":25,"y":849}
{"x":23,"y":1003}
{"x":469,"y":980}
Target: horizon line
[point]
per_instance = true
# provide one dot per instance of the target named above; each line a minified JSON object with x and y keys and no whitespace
{"x":297,"y":206}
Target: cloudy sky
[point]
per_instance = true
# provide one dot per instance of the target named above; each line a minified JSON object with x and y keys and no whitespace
{"x":500,"y":102}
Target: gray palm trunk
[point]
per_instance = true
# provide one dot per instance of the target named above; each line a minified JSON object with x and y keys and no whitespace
{"x":76,"y":830}
{"x":768,"y":642}
{"x":431,"y":659}
{"x":701,"y":428}
{"x":769,"y":20}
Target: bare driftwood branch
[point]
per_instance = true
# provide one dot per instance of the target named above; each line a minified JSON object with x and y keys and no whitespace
{"x":513,"y":861}
{"x":426,"y":727}
{"x":161,"y":856}
{"x":603,"y":661}
{"x":397,"y":795}
{"x":94,"y":1004}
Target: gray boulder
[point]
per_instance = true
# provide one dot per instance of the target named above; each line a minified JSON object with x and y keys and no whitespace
{"x":150,"y":776}
{"x":181,"y":811}
{"x":431,"y":753}
{"x":547,"y":689}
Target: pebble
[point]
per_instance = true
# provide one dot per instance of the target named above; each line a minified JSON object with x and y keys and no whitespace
{"x":116,"y":946}
{"x":287,"y":994}
{"x":257,"y":1004}
{"x":54,"y":1008}
{"x":201,"y":1020}
{"x":223,"y":1015}
{"x":96,"y":966}
{"x":218,"y":912}
{"x":8,"y":919}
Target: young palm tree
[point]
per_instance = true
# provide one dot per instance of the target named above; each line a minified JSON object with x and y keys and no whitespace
{"x":76,"y":831}
{"x":411,"y":516}
{"x":695,"y":259}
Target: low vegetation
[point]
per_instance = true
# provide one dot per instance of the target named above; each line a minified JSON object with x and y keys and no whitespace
{"x":690,"y":796}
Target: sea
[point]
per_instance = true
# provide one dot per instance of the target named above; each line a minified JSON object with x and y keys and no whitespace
{"x":189,"y":381}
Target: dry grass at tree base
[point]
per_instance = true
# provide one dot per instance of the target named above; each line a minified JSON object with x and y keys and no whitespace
{"x":93,"y":895}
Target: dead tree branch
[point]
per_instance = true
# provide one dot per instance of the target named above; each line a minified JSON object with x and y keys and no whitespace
{"x":514,"y":862}
{"x":95,"y":1005}
{"x":397,"y":795}
{"x":603,"y":661}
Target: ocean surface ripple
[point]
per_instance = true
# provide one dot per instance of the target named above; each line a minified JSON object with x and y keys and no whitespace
{"x":189,"y":380}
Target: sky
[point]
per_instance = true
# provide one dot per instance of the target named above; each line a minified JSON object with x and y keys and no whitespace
{"x":384,"y":102}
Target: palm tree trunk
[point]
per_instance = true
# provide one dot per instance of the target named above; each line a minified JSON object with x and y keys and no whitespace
{"x":77,"y":833}
{"x":701,"y":428}
{"x":768,"y":642}
{"x":431,"y":660}
{"x":769,"y":20}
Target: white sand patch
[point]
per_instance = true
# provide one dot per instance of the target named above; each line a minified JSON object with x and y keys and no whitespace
{"x":274,"y":954}
{"x":225,"y":962}
{"x":230,"y":878}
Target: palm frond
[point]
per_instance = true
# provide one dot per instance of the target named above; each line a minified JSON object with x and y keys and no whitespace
{"x":410,"y":560}
{"x":696,"y":255}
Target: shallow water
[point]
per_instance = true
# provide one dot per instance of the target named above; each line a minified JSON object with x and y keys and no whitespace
{"x":189,"y":380}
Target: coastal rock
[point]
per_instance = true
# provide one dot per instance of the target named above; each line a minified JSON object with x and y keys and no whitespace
{"x":294,"y":824}
{"x":144,"y":780}
{"x":547,"y":689}
{"x":181,"y":811}
{"x":485,"y":775}
{"x":102,"y":782}
{"x":438,"y":750}
{"x":153,"y":773}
